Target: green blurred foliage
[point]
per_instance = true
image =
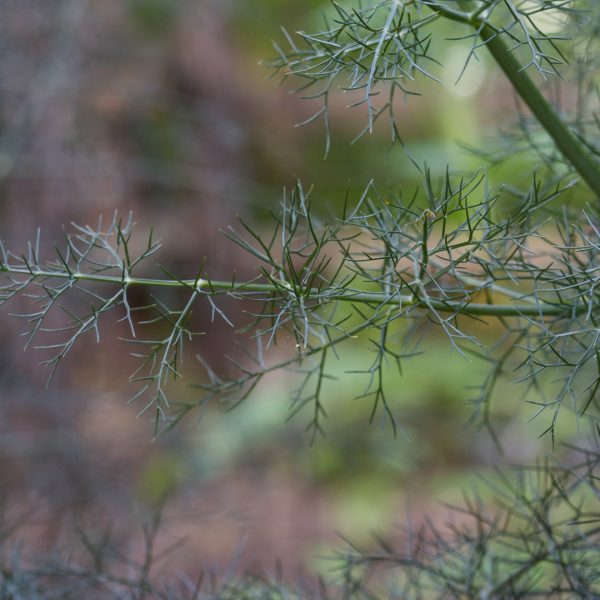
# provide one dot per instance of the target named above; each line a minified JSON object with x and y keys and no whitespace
{"x":154,"y":17}
{"x":161,"y":476}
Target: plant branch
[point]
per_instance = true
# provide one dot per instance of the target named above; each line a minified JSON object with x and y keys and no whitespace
{"x":570,"y":147}
{"x":213,"y":288}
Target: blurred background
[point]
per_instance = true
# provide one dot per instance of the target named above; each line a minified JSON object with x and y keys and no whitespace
{"x":162,"y":108}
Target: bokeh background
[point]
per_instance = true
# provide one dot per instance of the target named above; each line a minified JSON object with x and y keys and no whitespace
{"x":163,"y":109}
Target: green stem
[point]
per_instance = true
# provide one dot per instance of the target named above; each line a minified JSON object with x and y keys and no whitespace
{"x":556,"y":128}
{"x":209,"y":287}
{"x":570,"y":147}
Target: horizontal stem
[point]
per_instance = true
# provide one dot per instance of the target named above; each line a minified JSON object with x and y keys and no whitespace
{"x":209,"y":287}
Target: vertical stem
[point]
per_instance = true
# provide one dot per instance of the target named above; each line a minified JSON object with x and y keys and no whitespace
{"x":557,"y":129}
{"x":570,"y":147}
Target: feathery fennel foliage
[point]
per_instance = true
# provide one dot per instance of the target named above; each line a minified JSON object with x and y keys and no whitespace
{"x":455,"y":255}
